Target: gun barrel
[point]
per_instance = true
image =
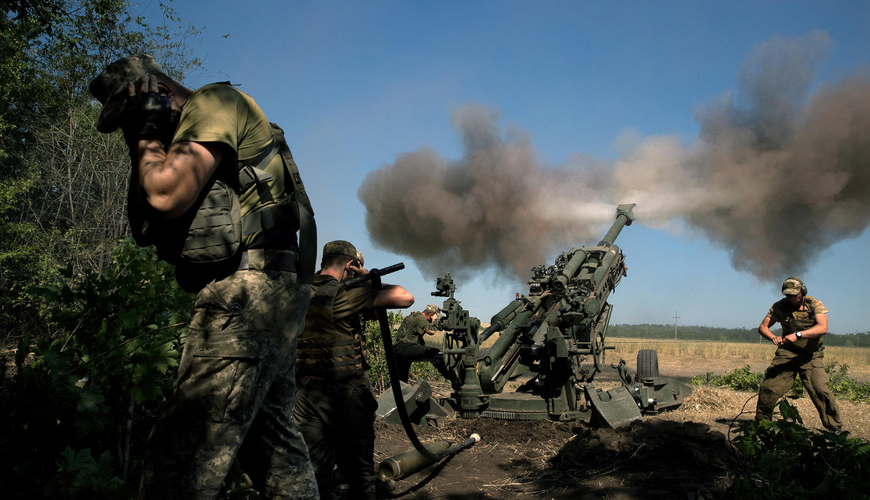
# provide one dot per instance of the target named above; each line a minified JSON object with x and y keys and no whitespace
{"x":502,"y":319}
{"x":624,"y":217}
{"x":353,"y":282}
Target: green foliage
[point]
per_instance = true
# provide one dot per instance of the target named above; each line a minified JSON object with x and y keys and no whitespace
{"x":374,"y":352}
{"x":786,"y":460}
{"x":744,"y":379}
{"x":844,"y":386}
{"x":740,"y":379}
{"x":648,"y":331}
{"x":110,"y":361}
{"x":63,"y":184}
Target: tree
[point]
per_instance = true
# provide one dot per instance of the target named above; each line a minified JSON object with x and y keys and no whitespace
{"x":63,"y":184}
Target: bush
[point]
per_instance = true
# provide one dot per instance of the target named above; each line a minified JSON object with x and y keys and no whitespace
{"x":846,"y":387}
{"x":783,"y":459}
{"x":89,"y":396}
{"x":740,"y":379}
{"x":374,"y":353}
{"x":744,"y":379}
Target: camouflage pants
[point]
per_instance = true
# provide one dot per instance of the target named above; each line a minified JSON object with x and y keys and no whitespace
{"x":780,"y":376}
{"x":234,"y":394}
{"x":337,"y":420}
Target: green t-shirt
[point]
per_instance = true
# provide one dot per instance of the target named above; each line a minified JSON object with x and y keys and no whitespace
{"x":413,"y":329}
{"x":219,"y":113}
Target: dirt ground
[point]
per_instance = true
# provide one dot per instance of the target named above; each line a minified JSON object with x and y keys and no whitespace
{"x":683,"y":453}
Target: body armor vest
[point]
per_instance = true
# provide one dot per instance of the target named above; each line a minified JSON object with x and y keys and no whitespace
{"x":329,"y":349}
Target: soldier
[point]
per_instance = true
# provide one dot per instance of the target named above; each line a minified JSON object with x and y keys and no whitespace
{"x":800,"y":351}
{"x":410,"y":344}
{"x":335,"y":407}
{"x":235,"y":384}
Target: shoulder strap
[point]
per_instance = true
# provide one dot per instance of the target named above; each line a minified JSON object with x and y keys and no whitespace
{"x":264,"y":219}
{"x":307,"y":226}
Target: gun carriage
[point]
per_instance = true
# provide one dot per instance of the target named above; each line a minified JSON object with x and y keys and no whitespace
{"x":550,"y":346}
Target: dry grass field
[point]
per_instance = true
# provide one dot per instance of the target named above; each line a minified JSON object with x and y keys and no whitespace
{"x":689,"y":358}
{"x":686,"y":358}
{"x":853,"y":356}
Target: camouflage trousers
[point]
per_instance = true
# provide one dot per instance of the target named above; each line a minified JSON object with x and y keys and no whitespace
{"x":779,"y":379}
{"x":337,"y":420}
{"x":234,"y":395}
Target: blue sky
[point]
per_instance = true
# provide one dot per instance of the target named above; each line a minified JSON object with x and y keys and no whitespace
{"x":357,"y":84}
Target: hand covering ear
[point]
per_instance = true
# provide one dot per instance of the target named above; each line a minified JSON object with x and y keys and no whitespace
{"x":150,"y":116}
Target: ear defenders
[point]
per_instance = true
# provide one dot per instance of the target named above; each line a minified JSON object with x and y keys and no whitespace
{"x":785,"y":284}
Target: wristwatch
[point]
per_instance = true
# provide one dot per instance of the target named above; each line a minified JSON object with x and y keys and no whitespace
{"x":799,"y":334}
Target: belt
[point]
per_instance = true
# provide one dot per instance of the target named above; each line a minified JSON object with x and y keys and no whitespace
{"x":268,"y":259}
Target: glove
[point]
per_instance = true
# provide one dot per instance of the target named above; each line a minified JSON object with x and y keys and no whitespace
{"x":149,"y":116}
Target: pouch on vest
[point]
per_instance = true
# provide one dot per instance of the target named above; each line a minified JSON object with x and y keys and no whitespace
{"x":203,"y":244}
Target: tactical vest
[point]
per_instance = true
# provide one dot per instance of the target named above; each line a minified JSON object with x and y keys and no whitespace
{"x":796,"y":321}
{"x":206,"y":243}
{"x":328,"y":350}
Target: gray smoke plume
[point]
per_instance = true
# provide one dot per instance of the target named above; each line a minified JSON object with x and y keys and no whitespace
{"x":493,"y":208}
{"x":775,"y":177}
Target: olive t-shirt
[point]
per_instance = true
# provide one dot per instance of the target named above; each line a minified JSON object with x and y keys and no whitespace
{"x":219,"y":113}
{"x":412,"y":329}
{"x":348,"y":303}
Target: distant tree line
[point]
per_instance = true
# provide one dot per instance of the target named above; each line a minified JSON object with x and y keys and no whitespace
{"x":648,"y":331}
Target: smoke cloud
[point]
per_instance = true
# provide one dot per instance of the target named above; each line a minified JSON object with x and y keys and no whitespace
{"x":777,"y":175}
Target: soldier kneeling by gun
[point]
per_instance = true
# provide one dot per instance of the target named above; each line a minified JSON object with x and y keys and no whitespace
{"x":411,"y":347}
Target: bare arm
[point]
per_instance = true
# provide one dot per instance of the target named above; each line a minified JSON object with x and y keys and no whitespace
{"x":394,"y":297}
{"x":389,"y":296}
{"x":171,"y":182}
{"x":764,"y":331}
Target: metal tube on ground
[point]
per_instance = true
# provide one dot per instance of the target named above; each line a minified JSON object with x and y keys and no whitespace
{"x":408,"y":462}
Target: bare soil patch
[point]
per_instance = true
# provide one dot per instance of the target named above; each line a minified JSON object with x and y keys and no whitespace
{"x":684,"y":453}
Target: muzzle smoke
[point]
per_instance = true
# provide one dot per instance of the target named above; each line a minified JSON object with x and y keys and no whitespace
{"x":775,"y":177}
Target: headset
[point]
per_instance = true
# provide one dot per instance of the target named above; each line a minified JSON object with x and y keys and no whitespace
{"x":803,"y":287}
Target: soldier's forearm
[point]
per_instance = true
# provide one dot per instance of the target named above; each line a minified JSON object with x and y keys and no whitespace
{"x":766,"y":333}
{"x":814,"y":332}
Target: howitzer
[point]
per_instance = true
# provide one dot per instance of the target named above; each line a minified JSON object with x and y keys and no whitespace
{"x":544,"y":339}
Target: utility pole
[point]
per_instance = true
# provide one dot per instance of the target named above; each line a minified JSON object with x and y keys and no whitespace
{"x":675,"y":324}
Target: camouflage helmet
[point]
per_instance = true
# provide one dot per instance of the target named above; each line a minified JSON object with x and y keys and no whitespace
{"x":432,"y":309}
{"x":110,"y":87}
{"x":793,"y":286}
{"x":341,"y":247}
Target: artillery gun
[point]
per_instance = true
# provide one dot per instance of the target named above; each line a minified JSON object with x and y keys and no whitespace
{"x":544,"y":339}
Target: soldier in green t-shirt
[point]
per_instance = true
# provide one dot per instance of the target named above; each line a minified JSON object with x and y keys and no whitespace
{"x":335,"y":407}
{"x":800,"y":351}
{"x":410,"y":345}
{"x":234,"y":393}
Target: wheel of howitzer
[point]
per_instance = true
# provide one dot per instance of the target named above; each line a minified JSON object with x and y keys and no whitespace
{"x":452,"y":362}
{"x":647,"y":364}
{"x":598,"y":352}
